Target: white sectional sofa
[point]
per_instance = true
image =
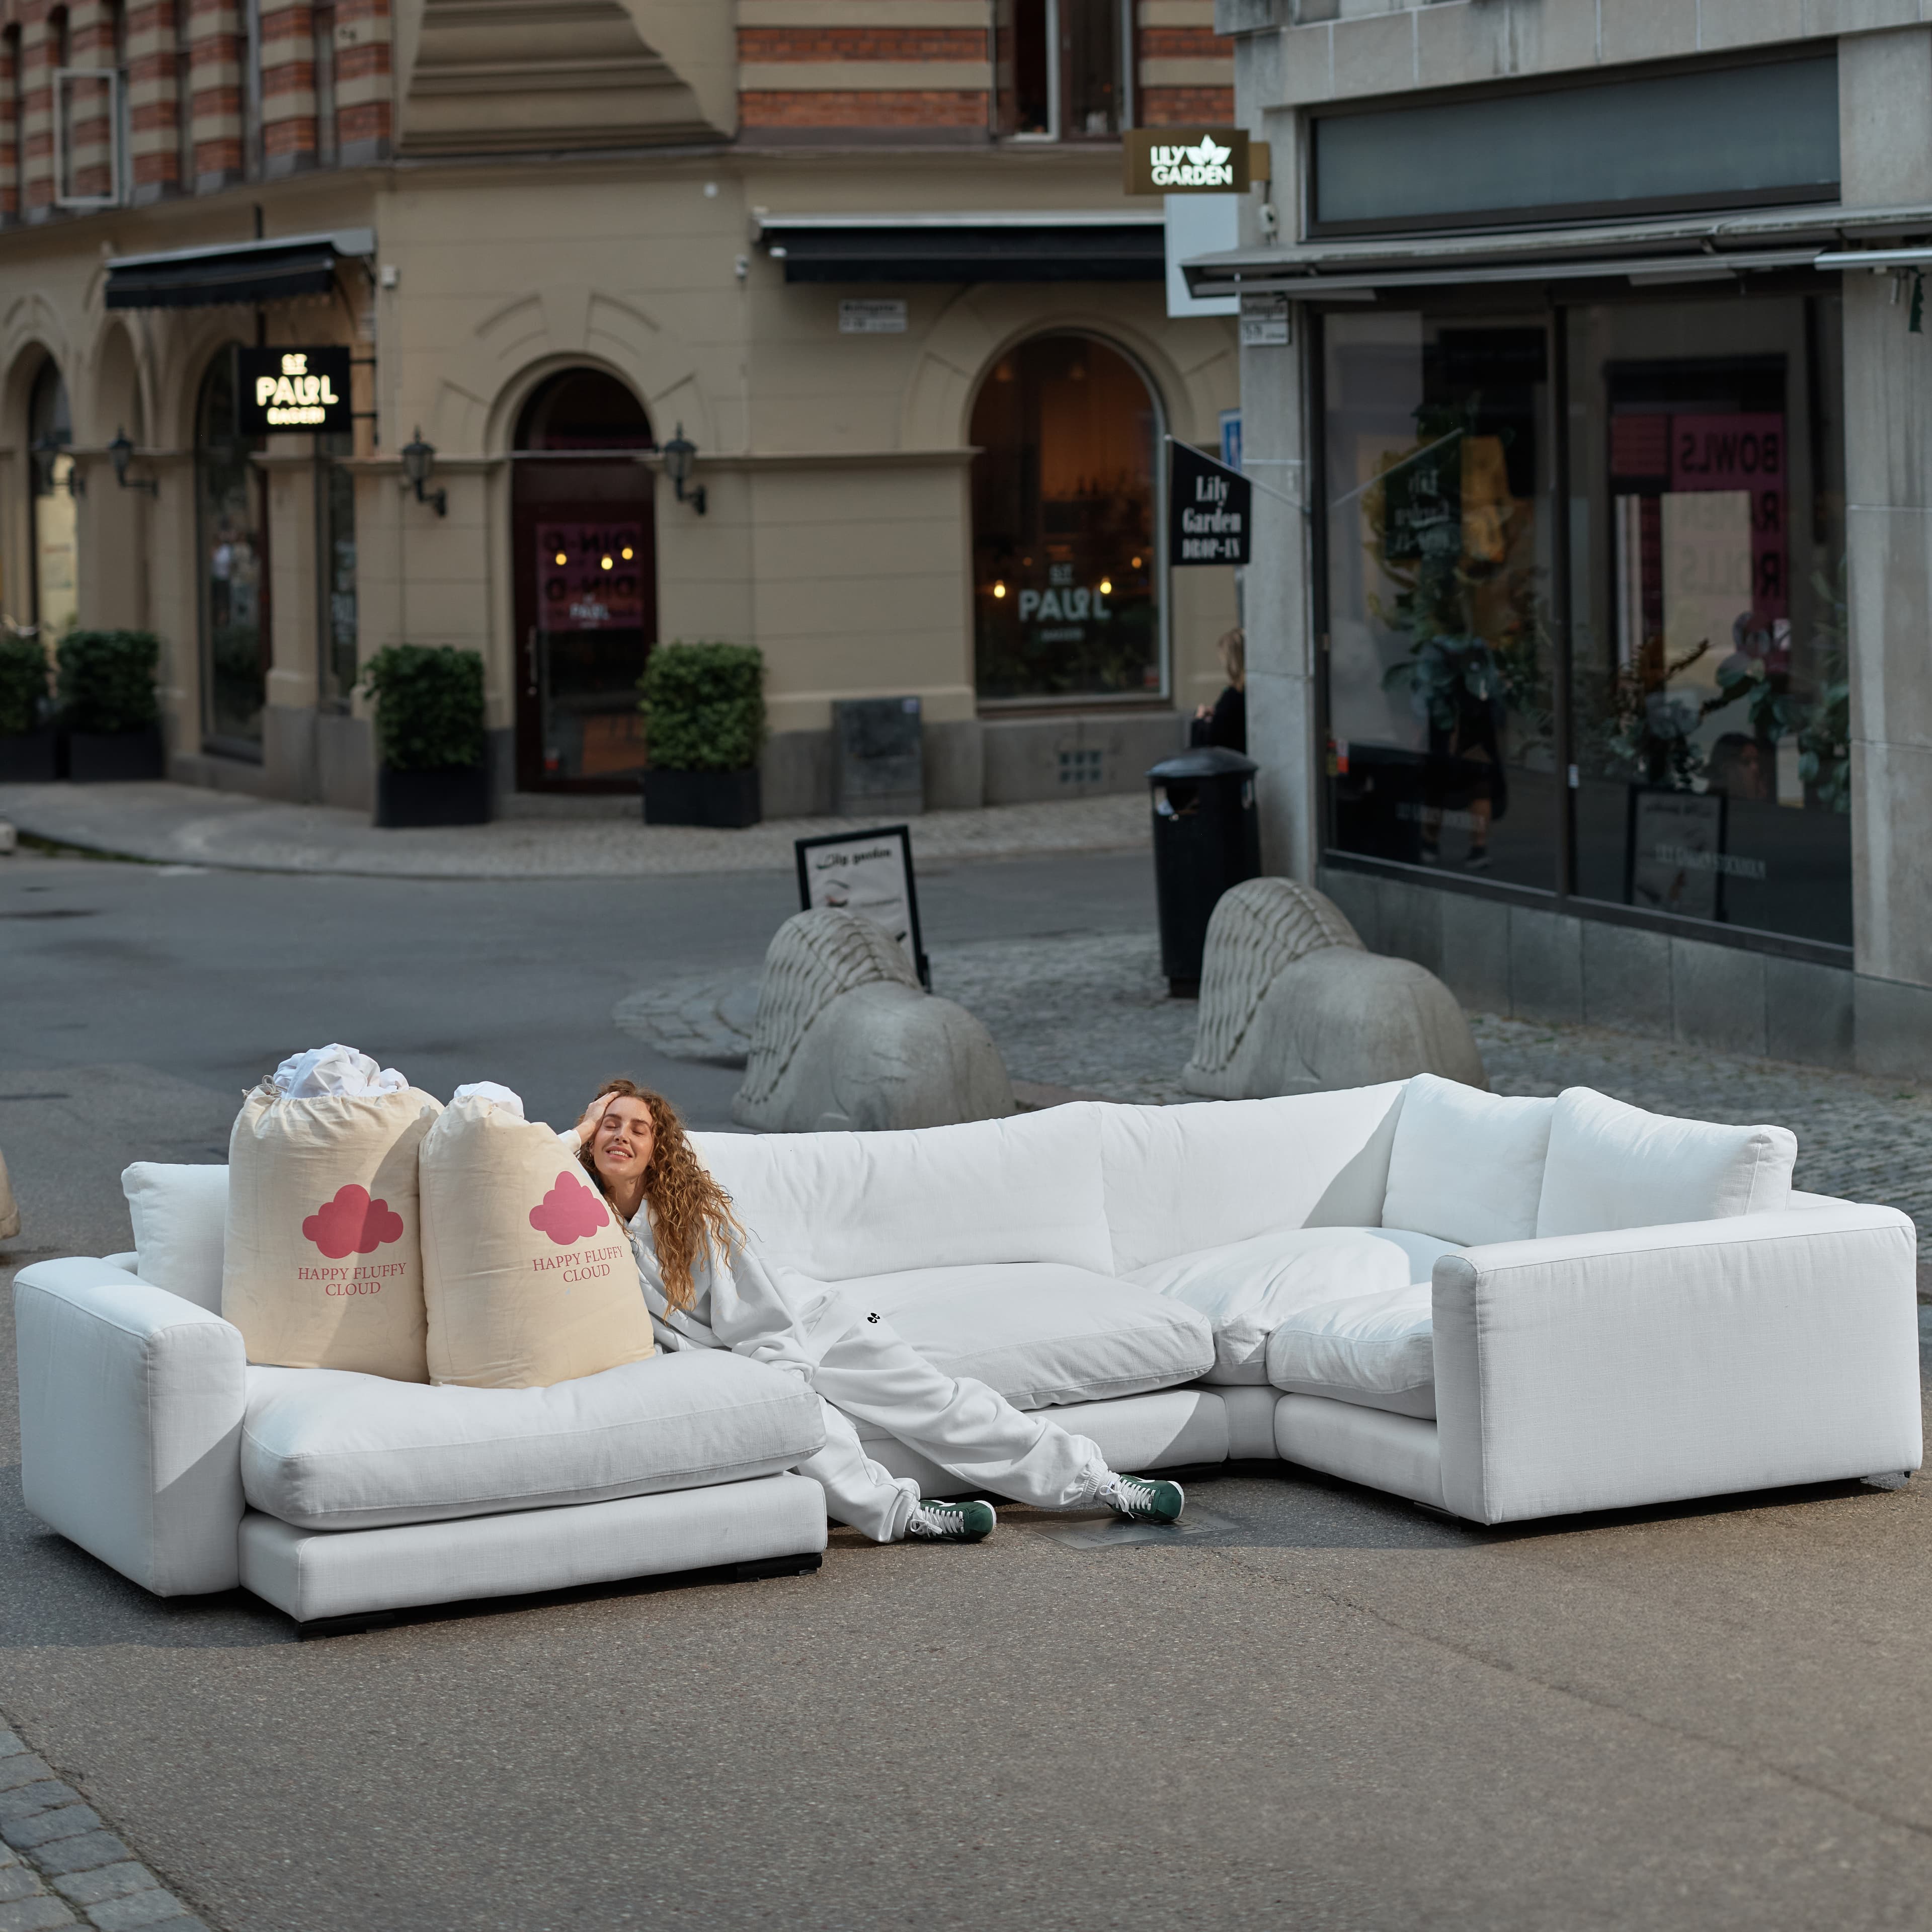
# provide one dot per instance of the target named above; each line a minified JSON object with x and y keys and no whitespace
{"x":1502,"y":1310}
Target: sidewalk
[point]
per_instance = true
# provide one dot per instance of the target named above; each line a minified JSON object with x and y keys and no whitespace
{"x":182,"y":825}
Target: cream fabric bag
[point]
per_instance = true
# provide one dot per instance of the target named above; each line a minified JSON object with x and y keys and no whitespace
{"x":322,"y":1265}
{"x":529,"y":1274}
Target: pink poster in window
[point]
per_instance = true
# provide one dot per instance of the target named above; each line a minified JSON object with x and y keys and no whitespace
{"x":590,"y":576}
{"x":1745,"y":451}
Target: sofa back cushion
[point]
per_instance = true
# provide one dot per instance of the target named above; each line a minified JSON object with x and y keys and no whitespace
{"x":1217,"y":1172}
{"x":1612,"y":1165}
{"x":528,"y":1272}
{"x":837,"y":1205}
{"x":179,"y":1215}
{"x":1466,"y":1166}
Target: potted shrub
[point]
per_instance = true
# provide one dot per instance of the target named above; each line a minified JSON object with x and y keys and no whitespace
{"x":704,"y":724}
{"x":104,"y":685}
{"x":430,"y":768}
{"x":27,"y":738}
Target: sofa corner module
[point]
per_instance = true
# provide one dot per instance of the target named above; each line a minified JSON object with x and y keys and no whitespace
{"x":131,"y":1404}
{"x":1653,"y":1365}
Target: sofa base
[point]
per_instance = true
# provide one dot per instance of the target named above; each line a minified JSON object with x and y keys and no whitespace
{"x":320,"y":1577}
{"x":1400,"y":1453}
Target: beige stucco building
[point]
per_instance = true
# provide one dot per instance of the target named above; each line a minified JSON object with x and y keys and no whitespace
{"x":816,"y":238}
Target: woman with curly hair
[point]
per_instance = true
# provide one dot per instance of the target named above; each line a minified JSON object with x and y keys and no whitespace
{"x":706,"y":1288}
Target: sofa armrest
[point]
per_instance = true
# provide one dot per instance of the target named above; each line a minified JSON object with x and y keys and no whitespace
{"x":131,"y":1401}
{"x":1601,"y":1371}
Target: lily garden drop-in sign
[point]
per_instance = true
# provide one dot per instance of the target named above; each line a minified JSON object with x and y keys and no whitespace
{"x":1190,"y":160}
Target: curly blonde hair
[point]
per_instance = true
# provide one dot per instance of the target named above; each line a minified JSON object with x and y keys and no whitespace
{"x":690,"y":1214}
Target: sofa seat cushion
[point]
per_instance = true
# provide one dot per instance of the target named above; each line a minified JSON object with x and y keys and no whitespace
{"x":1375,"y":1351}
{"x":1040,"y":1332}
{"x":324,"y":1449}
{"x":1247,"y":1288}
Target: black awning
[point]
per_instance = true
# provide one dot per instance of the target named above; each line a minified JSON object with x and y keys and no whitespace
{"x":248,"y":273}
{"x":1043,"y":251}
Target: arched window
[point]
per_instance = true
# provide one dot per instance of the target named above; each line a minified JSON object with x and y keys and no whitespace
{"x":1067,"y":581}
{"x":586,"y":576}
{"x":56,"y":560}
{"x":231,"y":532}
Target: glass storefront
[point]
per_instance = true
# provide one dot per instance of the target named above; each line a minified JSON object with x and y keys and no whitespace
{"x":231,"y":524}
{"x":335,"y":573}
{"x":1678,"y":573}
{"x":1066,"y":577}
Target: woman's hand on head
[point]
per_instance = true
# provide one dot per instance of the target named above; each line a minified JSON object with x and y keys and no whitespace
{"x":587,"y":1128}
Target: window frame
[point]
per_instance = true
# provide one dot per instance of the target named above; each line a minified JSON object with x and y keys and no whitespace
{"x":1129,"y":31}
{"x":116,"y":146}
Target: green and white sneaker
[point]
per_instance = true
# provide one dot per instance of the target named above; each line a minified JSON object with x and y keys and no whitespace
{"x":953,"y":1522}
{"x":1140,"y":1501}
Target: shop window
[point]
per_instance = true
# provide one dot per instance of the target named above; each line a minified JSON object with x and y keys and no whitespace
{"x":1066,"y":582}
{"x":231,"y":525}
{"x":1441,"y":749}
{"x":335,"y":576}
{"x":56,"y":561}
{"x":1710,"y":689}
{"x":1064,"y":68}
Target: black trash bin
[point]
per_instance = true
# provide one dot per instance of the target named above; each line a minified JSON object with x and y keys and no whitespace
{"x":1207,"y":838}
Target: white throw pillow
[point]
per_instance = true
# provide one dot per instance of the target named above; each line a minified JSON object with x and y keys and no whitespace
{"x":1612,"y":1165}
{"x":180,"y":1215}
{"x":1467,"y":1166}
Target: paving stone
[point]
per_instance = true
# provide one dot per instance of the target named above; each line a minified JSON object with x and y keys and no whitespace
{"x":33,"y":1915}
{"x":18,"y":1881}
{"x":84,"y":1853}
{"x":43,"y":1794}
{"x":139,"y":1908}
{"x":116,"y":1881}
{"x":64,"y":1821}
{"x":10,"y":1745}
{"x":22,"y":1768}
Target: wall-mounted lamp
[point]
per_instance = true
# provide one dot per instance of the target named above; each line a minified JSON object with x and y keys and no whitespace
{"x":121,"y":453}
{"x":47,"y":450}
{"x":418,"y":460}
{"x":680,"y":458}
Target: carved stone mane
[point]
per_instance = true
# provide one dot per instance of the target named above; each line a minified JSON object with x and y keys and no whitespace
{"x":1258,"y":930}
{"x":814,"y":956}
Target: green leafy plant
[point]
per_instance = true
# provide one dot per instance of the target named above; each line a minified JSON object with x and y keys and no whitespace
{"x":704,"y":707}
{"x":23,"y":684}
{"x":429,"y":707}
{"x":104,"y":681}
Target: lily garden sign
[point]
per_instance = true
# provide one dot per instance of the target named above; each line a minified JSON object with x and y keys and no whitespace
{"x":1192,"y":161}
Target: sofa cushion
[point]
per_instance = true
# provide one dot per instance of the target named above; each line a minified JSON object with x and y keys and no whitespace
{"x":837,"y":1206}
{"x":323,"y":1449}
{"x":1178,"y":1178}
{"x":1040,"y":1332}
{"x":1466,"y":1166}
{"x":180,"y":1215}
{"x":1376,"y":1350}
{"x":1247,"y":1289}
{"x":1613,"y":1166}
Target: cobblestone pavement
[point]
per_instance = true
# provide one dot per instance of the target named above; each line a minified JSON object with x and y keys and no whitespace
{"x":60,"y":1865}
{"x":183,"y":825}
{"x":1092,"y":1013}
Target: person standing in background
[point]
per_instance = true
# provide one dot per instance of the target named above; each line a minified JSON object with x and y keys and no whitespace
{"x":1224,"y":722}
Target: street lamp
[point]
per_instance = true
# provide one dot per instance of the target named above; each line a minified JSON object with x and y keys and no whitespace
{"x":418,"y":460}
{"x":680,"y":458}
{"x":121,"y":453}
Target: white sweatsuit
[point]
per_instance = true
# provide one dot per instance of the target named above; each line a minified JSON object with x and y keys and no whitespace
{"x":861,"y":1367}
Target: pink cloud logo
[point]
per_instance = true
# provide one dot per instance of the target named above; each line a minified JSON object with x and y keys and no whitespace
{"x":352,"y":1224}
{"x":569,"y":1212}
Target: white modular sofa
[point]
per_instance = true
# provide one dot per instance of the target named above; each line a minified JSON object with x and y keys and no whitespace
{"x":1352,"y":1281}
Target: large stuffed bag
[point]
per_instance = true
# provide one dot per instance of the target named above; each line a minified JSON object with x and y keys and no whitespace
{"x":528,"y":1273}
{"x":322,"y":1260}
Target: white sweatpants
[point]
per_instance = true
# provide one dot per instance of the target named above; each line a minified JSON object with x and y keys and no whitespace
{"x":867,"y":1371}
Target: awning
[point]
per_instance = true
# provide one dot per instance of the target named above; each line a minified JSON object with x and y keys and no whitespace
{"x":1093,"y":245}
{"x":1641,"y":254}
{"x":247,"y":273}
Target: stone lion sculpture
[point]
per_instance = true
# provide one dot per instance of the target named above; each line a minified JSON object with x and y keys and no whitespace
{"x":846,"y":1037}
{"x":1291,"y":1002}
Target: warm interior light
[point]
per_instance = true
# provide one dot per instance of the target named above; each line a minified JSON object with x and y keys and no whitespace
{"x":628,"y":553}
{"x":1106,"y":586}
{"x":606,"y":563}
{"x":1136,"y":563}
{"x":562,"y":558}
{"x":999,"y":590}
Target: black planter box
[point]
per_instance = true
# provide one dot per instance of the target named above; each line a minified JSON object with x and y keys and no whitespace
{"x":31,"y":758}
{"x":725,"y":799}
{"x":102,"y":757}
{"x":458,"y":797}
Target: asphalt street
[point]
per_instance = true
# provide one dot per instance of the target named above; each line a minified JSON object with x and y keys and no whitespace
{"x":1319,"y":1708}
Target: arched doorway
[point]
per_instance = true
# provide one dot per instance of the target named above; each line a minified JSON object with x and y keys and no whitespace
{"x":1066,"y":562}
{"x":56,"y":538}
{"x":231,"y":537}
{"x":586,"y":574}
